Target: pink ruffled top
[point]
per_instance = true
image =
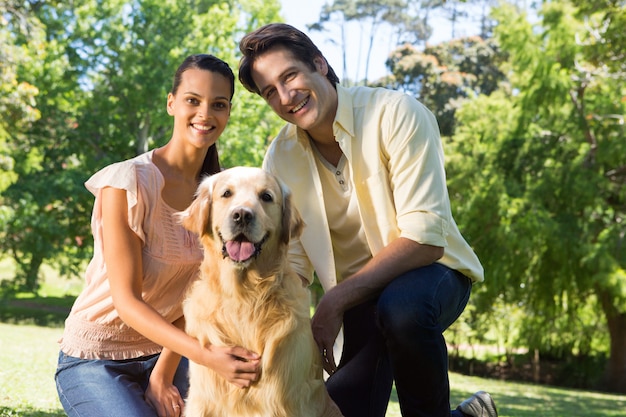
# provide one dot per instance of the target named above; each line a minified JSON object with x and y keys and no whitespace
{"x":171,"y":257}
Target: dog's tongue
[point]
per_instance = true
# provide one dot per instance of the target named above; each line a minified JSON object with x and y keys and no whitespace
{"x":240,"y":250}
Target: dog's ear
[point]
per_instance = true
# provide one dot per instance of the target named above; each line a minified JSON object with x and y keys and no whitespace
{"x":197,"y":217}
{"x":292,"y":223}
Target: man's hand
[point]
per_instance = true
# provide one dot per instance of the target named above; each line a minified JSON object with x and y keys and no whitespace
{"x":326,"y":323}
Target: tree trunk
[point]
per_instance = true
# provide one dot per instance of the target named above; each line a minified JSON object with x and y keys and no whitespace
{"x":615,"y":374}
{"x":536,"y":367}
{"x":142,"y":137}
{"x":32,"y":273}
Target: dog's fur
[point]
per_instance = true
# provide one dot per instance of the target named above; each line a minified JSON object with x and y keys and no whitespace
{"x":248,"y":296}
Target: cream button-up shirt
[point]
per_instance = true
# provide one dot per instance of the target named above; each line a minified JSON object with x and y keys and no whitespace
{"x":392,"y":144}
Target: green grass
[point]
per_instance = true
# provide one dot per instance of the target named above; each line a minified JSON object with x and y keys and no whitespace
{"x":28,"y":356}
{"x":30,"y":328}
{"x":48,"y":308}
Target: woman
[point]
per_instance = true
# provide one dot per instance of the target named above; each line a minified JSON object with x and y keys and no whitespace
{"x":123,"y":340}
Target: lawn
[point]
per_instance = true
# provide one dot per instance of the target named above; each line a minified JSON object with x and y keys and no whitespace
{"x":29,"y":331}
{"x":28,"y":355}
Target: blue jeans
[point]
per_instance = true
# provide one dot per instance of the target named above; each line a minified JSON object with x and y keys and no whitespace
{"x":108,"y":388}
{"x":398,"y":336}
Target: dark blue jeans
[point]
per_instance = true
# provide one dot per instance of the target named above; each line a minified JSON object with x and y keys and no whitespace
{"x":107,"y":388}
{"x":398,"y":336}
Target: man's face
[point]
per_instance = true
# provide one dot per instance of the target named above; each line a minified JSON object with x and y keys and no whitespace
{"x":296,"y":93}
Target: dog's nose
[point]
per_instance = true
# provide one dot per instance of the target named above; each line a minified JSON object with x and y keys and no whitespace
{"x":242,"y":215}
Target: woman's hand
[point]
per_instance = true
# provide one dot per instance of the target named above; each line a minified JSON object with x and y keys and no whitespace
{"x":236,"y":365}
{"x":164,"y":398}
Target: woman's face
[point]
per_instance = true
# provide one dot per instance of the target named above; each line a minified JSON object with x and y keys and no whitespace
{"x":201,"y":107}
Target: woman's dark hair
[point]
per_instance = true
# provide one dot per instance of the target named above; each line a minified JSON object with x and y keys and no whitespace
{"x":206,"y":62}
{"x":274,"y":35}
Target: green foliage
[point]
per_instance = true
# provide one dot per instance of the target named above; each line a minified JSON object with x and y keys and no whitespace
{"x":442,"y":76}
{"x":17,"y":96}
{"x":84,"y":85}
{"x":243,"y":143}
{"x":533,"y":119}
{"x":31,"y":221}
{"x":537,"y":174}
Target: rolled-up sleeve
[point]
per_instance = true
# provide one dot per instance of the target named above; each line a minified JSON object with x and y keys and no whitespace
{"x":416,"y":172}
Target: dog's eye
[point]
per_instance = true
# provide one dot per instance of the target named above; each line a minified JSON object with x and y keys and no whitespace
{"x":267,"y":197}
{"x":227,"y":193}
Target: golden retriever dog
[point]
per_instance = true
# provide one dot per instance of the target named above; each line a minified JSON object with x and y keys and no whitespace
{"x":248,"y":296}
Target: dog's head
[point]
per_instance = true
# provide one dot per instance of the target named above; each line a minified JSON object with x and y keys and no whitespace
{"x":241,"y":211}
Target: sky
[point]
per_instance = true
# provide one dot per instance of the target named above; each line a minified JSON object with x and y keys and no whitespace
{"x":301,"y":13}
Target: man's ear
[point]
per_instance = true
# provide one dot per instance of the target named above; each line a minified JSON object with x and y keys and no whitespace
{"x":321,"y":65}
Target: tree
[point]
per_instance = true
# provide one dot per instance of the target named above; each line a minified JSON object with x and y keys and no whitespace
{"x":442,"y":76}
{"x":538,"y":172}
{"x":398,"y":22}
{"x":371,"y":16}
{"x":17,"y":97}
{"x":102,"y":71}
{"x":33,"y":210}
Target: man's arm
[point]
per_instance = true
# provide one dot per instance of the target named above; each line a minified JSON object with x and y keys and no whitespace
{"x":400,"y":256}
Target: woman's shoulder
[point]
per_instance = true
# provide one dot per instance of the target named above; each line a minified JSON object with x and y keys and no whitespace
{"x":142,"y":161}
{"x":127,"y":174}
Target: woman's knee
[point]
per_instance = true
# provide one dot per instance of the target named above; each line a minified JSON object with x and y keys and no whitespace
{"x":99,"y":388}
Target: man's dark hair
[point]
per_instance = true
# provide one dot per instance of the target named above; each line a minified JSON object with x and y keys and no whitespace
{"x":281,"y":35}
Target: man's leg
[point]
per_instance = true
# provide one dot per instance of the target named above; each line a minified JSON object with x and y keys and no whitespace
{"x":413,"y":311}
{"x":362,"y":384}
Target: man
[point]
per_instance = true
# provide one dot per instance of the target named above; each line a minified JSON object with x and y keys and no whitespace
{"x":366,"y":170}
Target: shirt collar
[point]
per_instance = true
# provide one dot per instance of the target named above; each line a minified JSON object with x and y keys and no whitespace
{"x":344,"y":120}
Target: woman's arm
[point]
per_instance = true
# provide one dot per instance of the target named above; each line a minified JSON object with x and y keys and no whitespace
{"x":161,"y":393}
{"x":122,"y":256}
